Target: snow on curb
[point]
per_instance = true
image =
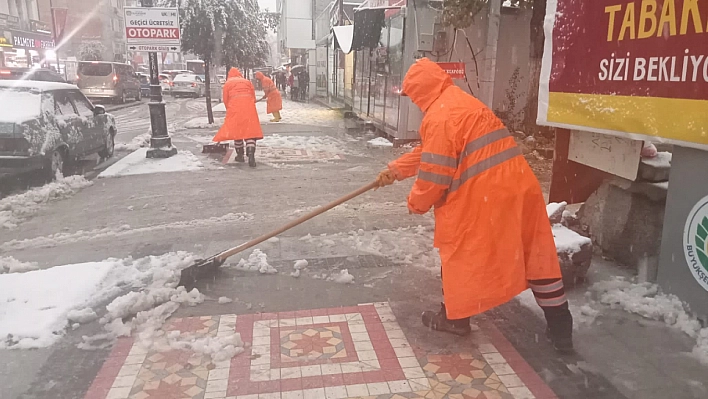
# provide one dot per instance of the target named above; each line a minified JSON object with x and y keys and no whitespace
{"x":16,"y":208}
{"x":54,"y":240}
{"x":11,"y":265}
{"x":137,"y":163}
{"x":136,"y":143}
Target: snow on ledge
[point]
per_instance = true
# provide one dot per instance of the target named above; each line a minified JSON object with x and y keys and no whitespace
{"x":138,"y":164}
{"x":567,"y":240}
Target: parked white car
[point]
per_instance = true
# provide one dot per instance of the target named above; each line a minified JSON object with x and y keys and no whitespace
{"x":44,"y":125}
{"x":187,"y":85}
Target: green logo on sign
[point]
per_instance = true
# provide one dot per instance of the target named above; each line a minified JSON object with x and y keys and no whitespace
{"x":695,"y":242}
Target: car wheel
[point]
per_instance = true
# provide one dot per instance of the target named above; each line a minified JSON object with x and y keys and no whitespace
{"x":109,"y":146}
{"x":55,"y":165}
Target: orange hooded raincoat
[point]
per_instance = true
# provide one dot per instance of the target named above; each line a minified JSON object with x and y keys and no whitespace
{"x":275,"y":101}
{"x":241,"y":116}
{"x":491,"y":225}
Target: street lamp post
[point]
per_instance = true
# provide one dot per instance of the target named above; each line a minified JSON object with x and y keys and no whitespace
{"x":160,"y":141}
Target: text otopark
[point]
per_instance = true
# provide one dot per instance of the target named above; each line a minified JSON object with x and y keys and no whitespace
{"x":152,"y":33}
{"x":647,"y":20}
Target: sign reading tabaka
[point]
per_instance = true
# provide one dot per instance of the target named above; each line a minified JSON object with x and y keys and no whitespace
{"x":152,"y":27}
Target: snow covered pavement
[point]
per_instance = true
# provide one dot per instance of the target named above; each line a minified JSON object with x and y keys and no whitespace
{"x":14,"y":209}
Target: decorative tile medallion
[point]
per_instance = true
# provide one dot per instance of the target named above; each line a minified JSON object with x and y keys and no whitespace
{"x":347,"y":352}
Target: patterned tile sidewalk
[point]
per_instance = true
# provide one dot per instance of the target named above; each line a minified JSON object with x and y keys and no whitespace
{"x":346,"y":352}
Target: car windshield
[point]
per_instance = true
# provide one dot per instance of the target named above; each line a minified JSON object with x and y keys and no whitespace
{"x":25,"y":104}
{"x":185,"y":78}
{"x":95,"y":69}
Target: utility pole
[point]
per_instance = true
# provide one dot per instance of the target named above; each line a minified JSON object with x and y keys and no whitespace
{"x":160,"y":141}
{"x":489,"y":63}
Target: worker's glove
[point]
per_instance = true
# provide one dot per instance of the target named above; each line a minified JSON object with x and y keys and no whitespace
{"x":385,"y":178}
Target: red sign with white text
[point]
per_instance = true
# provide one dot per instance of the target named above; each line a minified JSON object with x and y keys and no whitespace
{"x":456,"y":70}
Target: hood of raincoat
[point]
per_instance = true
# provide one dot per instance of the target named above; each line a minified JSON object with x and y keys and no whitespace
{"x":234,"y":73}
{"x":259,"y":75}
{"x":425,"y":82}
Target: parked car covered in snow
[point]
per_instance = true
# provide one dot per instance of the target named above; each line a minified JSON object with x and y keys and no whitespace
{"x":44,"y":125}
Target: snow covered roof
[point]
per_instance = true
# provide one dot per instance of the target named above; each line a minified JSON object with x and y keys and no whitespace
{"x":33,"y":84}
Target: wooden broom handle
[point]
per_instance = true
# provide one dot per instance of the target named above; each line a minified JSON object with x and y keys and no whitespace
{"x":302,"y":219}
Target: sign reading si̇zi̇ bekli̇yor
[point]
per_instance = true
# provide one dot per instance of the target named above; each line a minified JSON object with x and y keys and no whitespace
{"x":631,"y":68}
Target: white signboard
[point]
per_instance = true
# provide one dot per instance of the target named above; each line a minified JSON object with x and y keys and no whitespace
{"x":152,"y":29}
{"x":612,"y":154}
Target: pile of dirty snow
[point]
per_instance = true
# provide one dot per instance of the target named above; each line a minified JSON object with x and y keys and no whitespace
{"x":8,"y":264}
{"x":406,"y":245}
{"x":648,"y":301}
{"x":136,"y":143}
{"x":380,"y":142}
{"x":137,"y":164}
{"x":203,"y":123}
{"x":257,"y":262}
{"x":16,"y":208}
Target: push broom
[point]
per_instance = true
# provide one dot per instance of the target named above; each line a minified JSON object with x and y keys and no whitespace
{"x":204,"y":267}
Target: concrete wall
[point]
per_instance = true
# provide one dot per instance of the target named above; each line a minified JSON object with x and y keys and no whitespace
{"x":94,"y":20}
{"x":296,"y":22}
{"x":512,"y":56}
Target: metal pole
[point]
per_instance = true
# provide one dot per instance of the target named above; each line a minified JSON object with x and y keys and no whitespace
{"x":56,"y":38}
{"x":160,"y":141}
{"x":489,"y":65}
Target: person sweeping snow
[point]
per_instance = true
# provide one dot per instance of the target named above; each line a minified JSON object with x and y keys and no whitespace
{"x":275,"y":101}
{"x":491,"y":226}
{"x":241,"y":124}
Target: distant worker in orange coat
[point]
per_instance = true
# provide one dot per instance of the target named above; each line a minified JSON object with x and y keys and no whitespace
{"x":491,"y":225}
{"x":241,"y":123}
{"x":275,"y":101}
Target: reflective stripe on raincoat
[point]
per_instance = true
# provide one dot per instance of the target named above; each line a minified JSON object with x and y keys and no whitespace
{"x":241,"y":116}
{"x":491,"y":225}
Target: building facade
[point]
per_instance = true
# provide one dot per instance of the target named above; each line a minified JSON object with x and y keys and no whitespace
{"x":366,"y":79}
{"x":89,"y":22}
{"x":25,"y":33}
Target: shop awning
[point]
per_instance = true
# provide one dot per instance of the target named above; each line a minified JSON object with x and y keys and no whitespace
{"x":367,"y":28}
{"x":344,"y":35}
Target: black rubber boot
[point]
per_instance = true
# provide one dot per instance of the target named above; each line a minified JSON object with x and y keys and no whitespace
{"x":560,"y":328}
{"x":251,"y":153}
{"x":239,"y":155}
{"x":440,"y":322}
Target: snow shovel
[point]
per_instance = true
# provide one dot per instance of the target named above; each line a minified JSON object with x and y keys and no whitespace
{"x":208,"y":266}
{"x":215,"y":148}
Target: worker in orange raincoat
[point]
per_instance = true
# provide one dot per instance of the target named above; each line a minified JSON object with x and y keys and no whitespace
{"x":241,"y":123}
{"x":491,"y":226}
{"x":275,"y":101}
